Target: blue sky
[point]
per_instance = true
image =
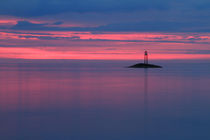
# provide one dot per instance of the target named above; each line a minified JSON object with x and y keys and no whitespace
{"x":104,"y":29}
{"x":112,"y":15}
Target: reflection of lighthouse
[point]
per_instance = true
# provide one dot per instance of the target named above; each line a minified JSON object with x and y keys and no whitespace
{"x":145,"y":57}
{"x":146,"y":105}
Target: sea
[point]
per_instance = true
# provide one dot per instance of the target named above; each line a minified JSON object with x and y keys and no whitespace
{"x":104,"y":100}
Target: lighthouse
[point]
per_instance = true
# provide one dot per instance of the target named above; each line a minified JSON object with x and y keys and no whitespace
{"x":145,"y":57}
{"x":145,"y":64}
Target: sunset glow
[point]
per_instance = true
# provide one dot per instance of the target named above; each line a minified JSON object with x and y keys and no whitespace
{"x":20,"y":44}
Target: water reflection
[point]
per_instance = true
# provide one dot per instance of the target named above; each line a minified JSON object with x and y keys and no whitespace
{"x":146,"y":116}
{"x":106,"y":103}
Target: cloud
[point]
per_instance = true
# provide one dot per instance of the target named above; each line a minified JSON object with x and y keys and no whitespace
{"x":49,"y":37}
{"x":58,"y":23}
{"x":99,"y":36}
{"x":158,"y":26}
{"x":30,"y":8}
{"x":121,"y":27}
{"x":28,"y":25}
{"x":111,"y":15}
{"x":184,"y":51}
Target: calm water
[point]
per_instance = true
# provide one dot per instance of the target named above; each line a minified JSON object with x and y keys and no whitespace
{"x":102,"y":100}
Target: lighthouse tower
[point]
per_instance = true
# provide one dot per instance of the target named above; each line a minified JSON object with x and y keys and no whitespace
{"x":145,"y":64}
{"x":145,"y":57}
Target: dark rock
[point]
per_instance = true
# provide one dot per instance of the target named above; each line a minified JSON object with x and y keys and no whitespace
{"x":142,"y":65}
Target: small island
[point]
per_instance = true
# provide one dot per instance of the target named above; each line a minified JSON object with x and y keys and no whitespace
{"x":145,"y":64}
{"x":142,"y":65}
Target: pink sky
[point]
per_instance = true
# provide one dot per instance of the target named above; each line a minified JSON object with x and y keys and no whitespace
{"x":20,"y":44}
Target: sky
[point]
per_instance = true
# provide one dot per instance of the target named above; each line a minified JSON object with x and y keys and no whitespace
{"x":104,"y":29}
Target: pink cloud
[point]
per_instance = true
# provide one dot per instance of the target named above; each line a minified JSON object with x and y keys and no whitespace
{"x":105,"y":45}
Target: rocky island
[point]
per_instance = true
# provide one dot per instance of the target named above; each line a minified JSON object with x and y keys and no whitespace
{"x":145,"y":64}
{"x":142,"y":65}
